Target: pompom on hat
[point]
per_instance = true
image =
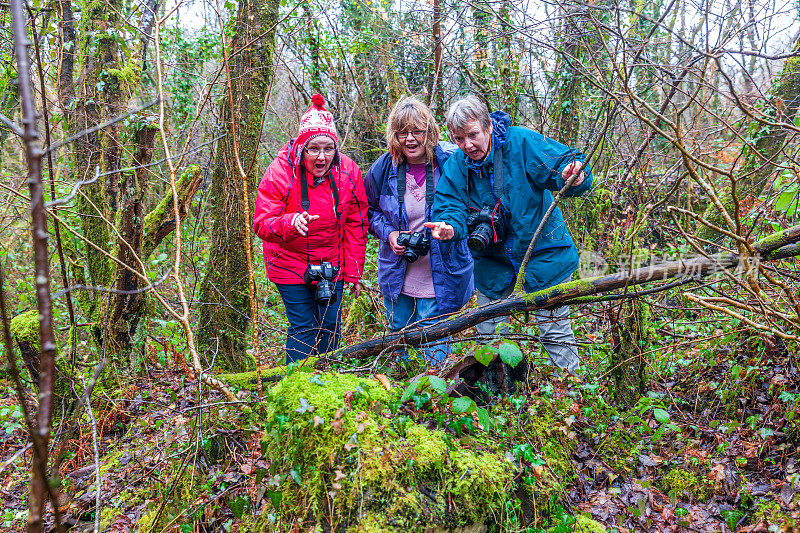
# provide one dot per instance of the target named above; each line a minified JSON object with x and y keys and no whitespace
{"x":316,"y":121}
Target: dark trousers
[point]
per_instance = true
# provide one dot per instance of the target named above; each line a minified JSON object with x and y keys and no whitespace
{"x":313,"y":327}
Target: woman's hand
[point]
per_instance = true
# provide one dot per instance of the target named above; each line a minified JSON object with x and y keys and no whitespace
{"x":572,"y":169}
{"x":355,"y":289}
{"x":301,"y":222}
{"x":396,"y":248}
{"x":441,"y":231}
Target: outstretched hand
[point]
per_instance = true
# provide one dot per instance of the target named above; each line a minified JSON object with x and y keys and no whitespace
{"x":441,"y":231}
{"x":301,"y":222}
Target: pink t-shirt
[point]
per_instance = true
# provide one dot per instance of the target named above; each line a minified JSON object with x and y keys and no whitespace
{"x":418,"y":282}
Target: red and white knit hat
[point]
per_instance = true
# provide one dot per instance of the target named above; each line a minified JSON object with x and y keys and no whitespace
{"x":316,"y":121}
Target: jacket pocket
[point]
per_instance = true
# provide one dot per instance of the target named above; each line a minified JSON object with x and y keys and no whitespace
{"x":555,"y":230}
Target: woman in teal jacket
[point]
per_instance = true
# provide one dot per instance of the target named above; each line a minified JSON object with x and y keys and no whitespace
{"x":516,"y":192}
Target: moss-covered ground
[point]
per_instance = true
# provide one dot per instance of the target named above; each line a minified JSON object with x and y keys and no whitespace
{"x":344,"y":451}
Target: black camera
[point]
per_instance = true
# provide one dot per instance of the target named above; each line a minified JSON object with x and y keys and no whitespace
{"x":323,"y":274}
{"x":486,"y":228}
{"x":417,"y":245}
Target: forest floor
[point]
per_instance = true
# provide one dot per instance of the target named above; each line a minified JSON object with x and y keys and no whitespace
{"x":710,"y":446}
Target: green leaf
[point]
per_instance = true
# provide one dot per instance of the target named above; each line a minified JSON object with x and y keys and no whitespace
{"x":510,"y":354}
{"x":411,"y":389}
{"x":240,"y":505}
{"x":463,"y":405}
{"x":783,"y":201}
{"x":305,"y":407}
{"x":438,"y":384}
{"x":661,"y":415}
{"x":296,"y":476}
{"x":484,"y":355}
{"x":484,"y":418}
{"x":275,"y":498}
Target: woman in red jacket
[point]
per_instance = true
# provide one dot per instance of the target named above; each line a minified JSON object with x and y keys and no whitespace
{"x":311,"y":213}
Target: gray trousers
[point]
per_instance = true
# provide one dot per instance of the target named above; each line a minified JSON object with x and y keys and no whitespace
{"x":555,"y":329}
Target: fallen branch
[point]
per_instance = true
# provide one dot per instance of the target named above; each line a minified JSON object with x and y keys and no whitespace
{"x":777,"y":246}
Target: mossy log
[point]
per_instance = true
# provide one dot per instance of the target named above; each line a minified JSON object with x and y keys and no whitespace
{"x":25,"y":330}
{"x":778,"y":245}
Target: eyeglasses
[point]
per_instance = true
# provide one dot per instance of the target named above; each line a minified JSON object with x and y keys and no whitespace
{"x":314,"y":152}
{"x":403,"y":135}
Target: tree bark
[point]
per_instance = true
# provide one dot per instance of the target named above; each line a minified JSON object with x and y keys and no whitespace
{"x":47,"y":345}
{"x":224,"y":315}
{"x":126,"y":309}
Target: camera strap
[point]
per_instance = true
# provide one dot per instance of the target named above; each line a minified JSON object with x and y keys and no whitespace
{"x":497,"y":186}
{"x":305,"y":203}
{"x":401,"y":190}
{"x":497,"y":177}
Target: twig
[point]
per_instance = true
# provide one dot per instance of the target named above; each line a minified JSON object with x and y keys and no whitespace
{"x":100,"y":126}
{"x":13,"y":127}
{"x":113,"y":291}
{"x":14,"y":457}
{"x":74,"y":191}
{"x":97,"y":500}
{"x":183,"y":316}
{"x":56,"y":226}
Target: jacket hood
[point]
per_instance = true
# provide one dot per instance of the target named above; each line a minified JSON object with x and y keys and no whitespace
{"x":500,"y":123}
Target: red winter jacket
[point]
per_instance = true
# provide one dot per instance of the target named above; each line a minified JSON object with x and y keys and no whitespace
{"x":278,"y":200}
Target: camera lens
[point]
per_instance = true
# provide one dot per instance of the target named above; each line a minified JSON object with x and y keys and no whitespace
{"x":480,"y":237}
{"x":326,"y":292}
{"x":410,"y":255}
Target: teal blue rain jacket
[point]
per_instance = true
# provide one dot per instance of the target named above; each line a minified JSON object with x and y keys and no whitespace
{"x":532,"y":166}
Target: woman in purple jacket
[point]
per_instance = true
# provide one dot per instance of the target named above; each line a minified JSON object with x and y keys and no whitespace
{"x":421,"y":279}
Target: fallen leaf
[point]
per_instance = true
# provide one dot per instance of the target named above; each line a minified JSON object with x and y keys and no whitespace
{"x":537,"y":472}
{"x":384,"y":381}
{"x":348,"y":398}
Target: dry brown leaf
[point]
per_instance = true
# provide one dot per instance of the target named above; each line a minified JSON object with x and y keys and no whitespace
{"x":384,"y":381}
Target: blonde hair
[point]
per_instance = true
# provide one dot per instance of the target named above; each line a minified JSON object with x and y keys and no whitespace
{"x":410,"y":113}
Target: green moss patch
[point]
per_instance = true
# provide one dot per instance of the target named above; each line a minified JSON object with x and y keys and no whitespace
{"x":687,"y":484}
{"x":338,"y":461}
{"x":25,"y":326}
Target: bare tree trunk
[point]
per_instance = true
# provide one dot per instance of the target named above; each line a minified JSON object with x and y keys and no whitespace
{"x":435,"y":89}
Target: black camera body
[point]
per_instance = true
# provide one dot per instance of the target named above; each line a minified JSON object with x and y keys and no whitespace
{"x":323,"y":274}
{"x":486,"y":228}
{"x":417,"y":245}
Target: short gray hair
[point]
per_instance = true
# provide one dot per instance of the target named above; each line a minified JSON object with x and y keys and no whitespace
{"x":466,"y":110}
